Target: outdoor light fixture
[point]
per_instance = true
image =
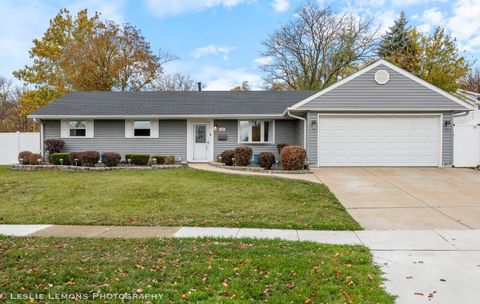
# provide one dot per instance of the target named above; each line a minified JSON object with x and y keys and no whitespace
{"x":447,"y":123}
{"x":61,"y":161}
{"x":76,"y":162}
{"x":215,"y":128}
{"x":39,"y":161}
{"x":129,"y":161}
{"x":313,"y":123}
{"x":21,"y":161}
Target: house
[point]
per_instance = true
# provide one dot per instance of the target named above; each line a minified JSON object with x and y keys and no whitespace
{"x":378,"y":116}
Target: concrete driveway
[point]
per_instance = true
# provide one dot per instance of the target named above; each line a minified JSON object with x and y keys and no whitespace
{"x":407,"y":198}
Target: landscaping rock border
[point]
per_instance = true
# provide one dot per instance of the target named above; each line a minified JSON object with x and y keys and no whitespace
{"x":258,"y":169}
{"x":19,"y":167}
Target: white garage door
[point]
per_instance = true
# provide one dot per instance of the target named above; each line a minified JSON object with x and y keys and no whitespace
{"x":381,"y":140}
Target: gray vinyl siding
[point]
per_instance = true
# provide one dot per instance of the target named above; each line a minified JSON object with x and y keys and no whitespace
{"x":300,"y":132}
{"x":312,"y":138}
{"x":363,"y":93}
{"x":109,"y":136}
{"x":447,"y":138}
{"x":285,"y":132}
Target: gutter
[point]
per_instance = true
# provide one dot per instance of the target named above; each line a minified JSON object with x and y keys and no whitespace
{"x":304,"y":127}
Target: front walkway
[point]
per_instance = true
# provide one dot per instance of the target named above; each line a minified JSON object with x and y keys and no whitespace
{"x":424,"y":266}
{"x":204,"y":166}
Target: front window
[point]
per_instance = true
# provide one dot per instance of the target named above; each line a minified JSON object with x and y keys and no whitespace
{"x":256,"y":131}
{"x":78,"y":128}
{"x":141,"y":128}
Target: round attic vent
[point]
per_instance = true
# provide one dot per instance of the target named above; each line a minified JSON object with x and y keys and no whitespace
{"x":382,"y":77}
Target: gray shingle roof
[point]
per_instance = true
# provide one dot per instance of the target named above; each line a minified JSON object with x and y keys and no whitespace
{"x":173,"y":103}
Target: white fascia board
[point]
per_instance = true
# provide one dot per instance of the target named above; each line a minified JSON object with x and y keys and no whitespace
{"x":393,"y":67}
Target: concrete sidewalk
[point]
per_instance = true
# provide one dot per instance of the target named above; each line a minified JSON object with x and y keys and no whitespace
{"x":420,"y":266}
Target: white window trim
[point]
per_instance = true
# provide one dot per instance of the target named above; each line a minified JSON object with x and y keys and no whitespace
{"x":250,"y":142}
{"x":130,"y":128}
{"x":65,"y":128}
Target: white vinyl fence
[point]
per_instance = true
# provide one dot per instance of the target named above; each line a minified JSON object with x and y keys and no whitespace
{"x":12,"y":143}
{"x":466,"y":145}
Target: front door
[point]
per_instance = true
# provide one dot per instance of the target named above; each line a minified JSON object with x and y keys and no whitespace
{"x":200,"y":142}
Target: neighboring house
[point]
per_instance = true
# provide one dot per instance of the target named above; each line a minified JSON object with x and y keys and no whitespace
{"x":379,"y":116}
{"x":473,"y":117}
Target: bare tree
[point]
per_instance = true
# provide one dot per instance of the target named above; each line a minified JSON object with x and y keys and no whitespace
{"x":173,"y":82}
{"x":11,"y":118}
{"x":472,"y":81}
{"x":317,"y":47}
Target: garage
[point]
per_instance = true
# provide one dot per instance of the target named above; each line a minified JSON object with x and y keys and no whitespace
{"x":379,"y":140}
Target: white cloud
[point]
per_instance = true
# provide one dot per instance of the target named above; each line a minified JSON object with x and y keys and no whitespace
{"x":163,"y":8}
{"x":212,"y":49}
{"x":280,"y":5}
{"x":431,"y":18}
{"x":219,"y":79}
{"x":465,"y":23}
{"x":262,"y":60}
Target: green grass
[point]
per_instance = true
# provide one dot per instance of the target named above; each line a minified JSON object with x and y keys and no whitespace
{"x":202,"y":270}
{"x":179,"y":197}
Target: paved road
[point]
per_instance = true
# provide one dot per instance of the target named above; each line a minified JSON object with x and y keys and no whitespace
{"x":420,"y":266}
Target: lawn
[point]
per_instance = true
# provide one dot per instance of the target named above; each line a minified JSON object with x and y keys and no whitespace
{"x":189,"y":270}
{"x":177,"y":197}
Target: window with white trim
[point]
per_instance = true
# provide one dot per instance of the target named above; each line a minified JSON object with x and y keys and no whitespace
{"x":255,"y":131}
{"x":77,"y":128}
{"x":141,"y":128}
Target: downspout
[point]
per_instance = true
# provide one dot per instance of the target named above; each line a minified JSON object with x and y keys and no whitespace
{"x":304,"y":127}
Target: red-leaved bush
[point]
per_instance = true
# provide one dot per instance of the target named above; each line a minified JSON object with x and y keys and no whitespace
{"x":75,"y":156}
{"x":280,"y":147}
{"x":24,"y":157}
{"x":89,"y":158}
{"x":111,"y":159}
{"x":293,"y":157}
{"x":33,"y":159}
{"x":227,"y":157}
{"x":242,"y":155}
{"x":266,"y":160}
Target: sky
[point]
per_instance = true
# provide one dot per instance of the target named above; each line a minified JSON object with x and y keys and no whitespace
{"x":218,"y":42}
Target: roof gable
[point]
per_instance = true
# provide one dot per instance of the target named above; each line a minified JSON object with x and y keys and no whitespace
{"x":361,"y":92}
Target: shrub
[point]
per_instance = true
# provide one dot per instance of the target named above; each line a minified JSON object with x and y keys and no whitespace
{"x":280,"y":147}
{"x":111,"y":159}
{"x":169,"y":160}
{"x":160,"y":159}
{"x":75,"y":155}
{"x":293,"y":157}
{"x":53,"y":146}
{"x":138,"y":159}
{"x":55,"y":158}
{"x":227,"y":157}
{"x":33,"y":159}
{"x":243,"y":155}
{"x":25,"y":156}
{"x":89,"y":158}
{"x":266,"y":160}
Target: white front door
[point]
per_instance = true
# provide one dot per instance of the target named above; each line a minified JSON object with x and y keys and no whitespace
{"x":200,"y":141}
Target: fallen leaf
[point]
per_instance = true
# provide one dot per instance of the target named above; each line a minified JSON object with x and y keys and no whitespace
{"x":419,"y":293}
{"x":307,"y":301}
{"x":443,"y":280}
{"x":184,"y":297}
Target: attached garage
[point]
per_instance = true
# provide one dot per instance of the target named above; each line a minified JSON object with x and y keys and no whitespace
{"x":381,"y":115}
{"x":379,"y":140}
